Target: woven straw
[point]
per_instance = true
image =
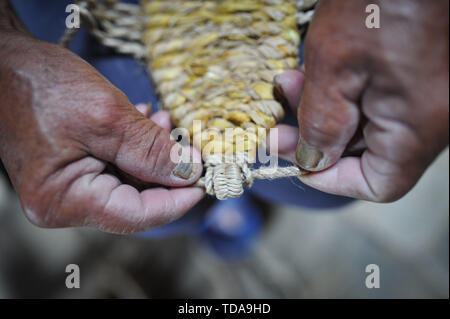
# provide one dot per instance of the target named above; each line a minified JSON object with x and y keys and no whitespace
{"x":213,"y":63}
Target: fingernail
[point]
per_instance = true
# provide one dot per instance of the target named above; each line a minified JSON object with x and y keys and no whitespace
{"x":183,"y":170}
{"x":141,"y":108}
{"x":277,"y":88}
{"x":307,"y":156}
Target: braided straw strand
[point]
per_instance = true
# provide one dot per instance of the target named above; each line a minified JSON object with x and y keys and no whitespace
{"x":225,"y":178}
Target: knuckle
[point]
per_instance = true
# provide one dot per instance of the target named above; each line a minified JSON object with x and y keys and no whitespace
{"x":315,"y":45}
{"x":41,"y":206}
{"x":105,"y":106}
{"x":388,"y":197}
{"x":321,"y":57}
{"x":149,"y":145}
{"x":158,"y":149}
{"x":103,"y":114}
{"x":328,"y":120}
{"x":34,"y":211}
{"x":390,"y":190}
{"x":324,"y":131}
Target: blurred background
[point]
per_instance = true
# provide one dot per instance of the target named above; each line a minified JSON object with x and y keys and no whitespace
{"x":299,"y":254}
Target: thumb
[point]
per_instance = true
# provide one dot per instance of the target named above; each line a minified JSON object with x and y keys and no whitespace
{"x":327,"y":117}
{"x":327,"y":122}
{"x":328,"y":114}
{"x":144,"y":150}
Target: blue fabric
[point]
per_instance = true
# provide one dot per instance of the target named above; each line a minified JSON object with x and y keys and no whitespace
{"x":233,"y":242}
{"x":45,"y":19}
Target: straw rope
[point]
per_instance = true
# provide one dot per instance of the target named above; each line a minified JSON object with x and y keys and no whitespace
{"x":227,"y":178}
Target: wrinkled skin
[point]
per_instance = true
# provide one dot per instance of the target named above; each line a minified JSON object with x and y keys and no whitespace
{"x":69,"y":138}
{"x":380,"y":94}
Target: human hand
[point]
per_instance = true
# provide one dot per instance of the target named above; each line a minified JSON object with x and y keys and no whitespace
{"x":381,"y":94}
{"x":69,"y":139}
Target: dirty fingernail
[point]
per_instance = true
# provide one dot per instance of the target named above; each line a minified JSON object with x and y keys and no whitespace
{"x":183,"y":170}
{"x":278,"y":89}
{"x":307,"y":156}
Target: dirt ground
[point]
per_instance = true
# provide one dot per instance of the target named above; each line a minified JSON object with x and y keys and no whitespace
{"x":300,"y":254}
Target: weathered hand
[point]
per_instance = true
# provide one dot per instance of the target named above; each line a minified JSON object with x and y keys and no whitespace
{"x":382,"y":92}
{"x":69,"y":139}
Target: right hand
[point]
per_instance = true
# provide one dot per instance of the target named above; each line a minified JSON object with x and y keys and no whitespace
{"x":383,"y":92}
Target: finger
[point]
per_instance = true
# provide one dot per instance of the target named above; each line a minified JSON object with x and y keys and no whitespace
{"x":141,"y":148}
{"x":287,"y":138}
{"x":290,"y":86}
{"x":345,"y":178}
{"x":391,"y":164}
{"x":328,"y":114}
{"x":144,"y":109}
{"x":386,"y":170}
{"x":128,"y":211}
{"x":101,"y":201}
{"x":162,"y":119}
{"x":327,"y":123}
{"x":368,"y":177}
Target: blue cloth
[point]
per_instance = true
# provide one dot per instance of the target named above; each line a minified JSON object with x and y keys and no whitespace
{"x":45,"y":19}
